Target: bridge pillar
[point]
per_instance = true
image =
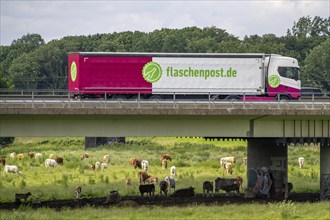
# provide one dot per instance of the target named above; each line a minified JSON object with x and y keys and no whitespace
{"x":267,"y":168}
{"x":325,"y":172}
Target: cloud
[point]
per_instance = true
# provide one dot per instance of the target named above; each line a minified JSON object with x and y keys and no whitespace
{"x":56,"y":19}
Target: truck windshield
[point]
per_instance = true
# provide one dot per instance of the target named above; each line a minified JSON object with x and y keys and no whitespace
{"x":289,"y":72}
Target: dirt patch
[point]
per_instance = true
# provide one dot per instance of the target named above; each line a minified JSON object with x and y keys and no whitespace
{"x":198,"y":199}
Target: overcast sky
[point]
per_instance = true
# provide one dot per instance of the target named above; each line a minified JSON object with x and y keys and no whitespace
{"x":55,"y":19}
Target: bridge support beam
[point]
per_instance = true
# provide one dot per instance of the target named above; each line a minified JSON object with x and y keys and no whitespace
{"x":325,"y":172}
{"x":267,"y":168}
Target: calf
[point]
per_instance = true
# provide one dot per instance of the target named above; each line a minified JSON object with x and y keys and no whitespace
{"x":301,"y":162}
{"x":148,"y":188}
{"x":164,"y":164}
{"x":152,"y":179}
{"x":106,"y":158}
{"x":229,"y":167}
{"x":12,"y":155}
{"x":163,"y":186}
{"x":38,"y":155}
{"x":77,"y":192}
{"x":84,"y":156}
{"x":185,"y":192}
{"x":143,"y":176}
{"x":228,"y":184}
{"x":135,"y":163}
{"x":171,"y":182}
{"x":145,"y":165}
{"x":173,"y":171}
{"x":20,"y":156}
{"x":225,"y":160}
{"x":207,"y":187}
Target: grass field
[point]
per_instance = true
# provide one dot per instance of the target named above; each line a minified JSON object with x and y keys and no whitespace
{"x":196,"y":160}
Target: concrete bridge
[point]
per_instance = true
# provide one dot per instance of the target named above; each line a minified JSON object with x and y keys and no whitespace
{"x":268,"y":126}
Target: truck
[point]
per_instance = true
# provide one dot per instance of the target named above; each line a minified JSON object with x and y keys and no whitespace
{"x":156,"y":76}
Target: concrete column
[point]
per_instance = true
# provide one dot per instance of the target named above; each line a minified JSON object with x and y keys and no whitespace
{"x":267,"y":167}
{"x":325,"y":172}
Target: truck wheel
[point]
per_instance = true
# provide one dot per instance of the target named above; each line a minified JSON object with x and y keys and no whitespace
{"x":284,"y":98}
{"x":232,"y":98}
{"x":156,"y":97}
{"x":120,"y":98}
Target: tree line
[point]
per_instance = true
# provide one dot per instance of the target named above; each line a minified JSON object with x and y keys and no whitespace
{"x":30,"y":63}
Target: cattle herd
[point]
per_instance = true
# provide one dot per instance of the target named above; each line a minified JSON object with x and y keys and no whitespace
{"x":146,"y":182}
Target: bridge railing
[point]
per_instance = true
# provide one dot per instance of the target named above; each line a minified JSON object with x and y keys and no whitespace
{"x":65,"y":99}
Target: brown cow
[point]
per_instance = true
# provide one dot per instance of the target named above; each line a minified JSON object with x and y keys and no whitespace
{"x":3,"y":161}
{"x":30,"y":155}
{"x":143,"y":176}
{"x":20,"y":156}
{"x":164,"y":164}
{"x":135,"y":162}
{"x":59,"y":160}
{"x":84,"y":155}
{"x":165,"y":156}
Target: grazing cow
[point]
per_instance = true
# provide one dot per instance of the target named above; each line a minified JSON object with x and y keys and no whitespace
{"x":38,"y":155}
{"x":301,"y":162}
{"x":229,"y":167}
{"x":148,"y":188}
{"x":164,"y":164}
{"x":114,"y":196}
{"x":11,"y":169}
{"x":163,"y":186}
{"x":30,"y":155}
{"x":77,"y":192}
{"x":228,"y":184}
{"x":103,"y":165}
{"x":20,"y":156}
{"x":97,"y":165}
{"x":185,"y":192}
{"x":106,"y":158}
{"x":20,"y":196}
{"x":51,"y":162}
{"x":173,"y":171}
{"x":3,"y":161}
{"x":128,"y":181}
{"x":207,"y":187}
{"x":225,"y":160}
{"x":135,"y":163}
{"x":59,"y":160}
{"x":171,"y":182}
{"x":84,"y":156}
{"x":152,"y":179}
{"x":12,"y":155}
{"x":165,"y":156}
{"x":143,"y":176}
{"x":145,"y":165}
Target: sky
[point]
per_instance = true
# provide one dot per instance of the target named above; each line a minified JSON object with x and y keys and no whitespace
{"x":55,"y":19}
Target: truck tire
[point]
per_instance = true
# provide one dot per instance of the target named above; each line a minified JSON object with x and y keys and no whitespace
{"x":232,"y":98}
{"x":156,"y":97}
{"x":119,"y":98}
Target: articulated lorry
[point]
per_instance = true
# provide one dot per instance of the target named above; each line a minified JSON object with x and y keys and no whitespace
{"x":124,"y":76}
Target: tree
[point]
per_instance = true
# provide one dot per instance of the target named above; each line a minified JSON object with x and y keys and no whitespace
{"x":316,"y":68}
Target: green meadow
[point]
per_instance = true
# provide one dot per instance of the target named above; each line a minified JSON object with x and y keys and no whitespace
{"x":196,"y":160}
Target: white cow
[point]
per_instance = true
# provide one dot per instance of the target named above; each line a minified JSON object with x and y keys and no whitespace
{"x":145,"y":165}
{"x":12,"y":155}
{"x":12,"y":169}
{"x":51,"y":162}
{"x":38,"y":155}
{"x":103,"y":165}
{"x":171,"y":182}
{"x":301,"y":162}
{"x":173,"y":171}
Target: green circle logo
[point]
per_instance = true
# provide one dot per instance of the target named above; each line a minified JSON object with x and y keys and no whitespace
{"x":274,"y":81}
{"x":73,"y":71}
{"x":152,"y":72}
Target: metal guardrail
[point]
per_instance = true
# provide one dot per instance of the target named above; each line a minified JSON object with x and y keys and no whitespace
{"x":63,"y":99}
